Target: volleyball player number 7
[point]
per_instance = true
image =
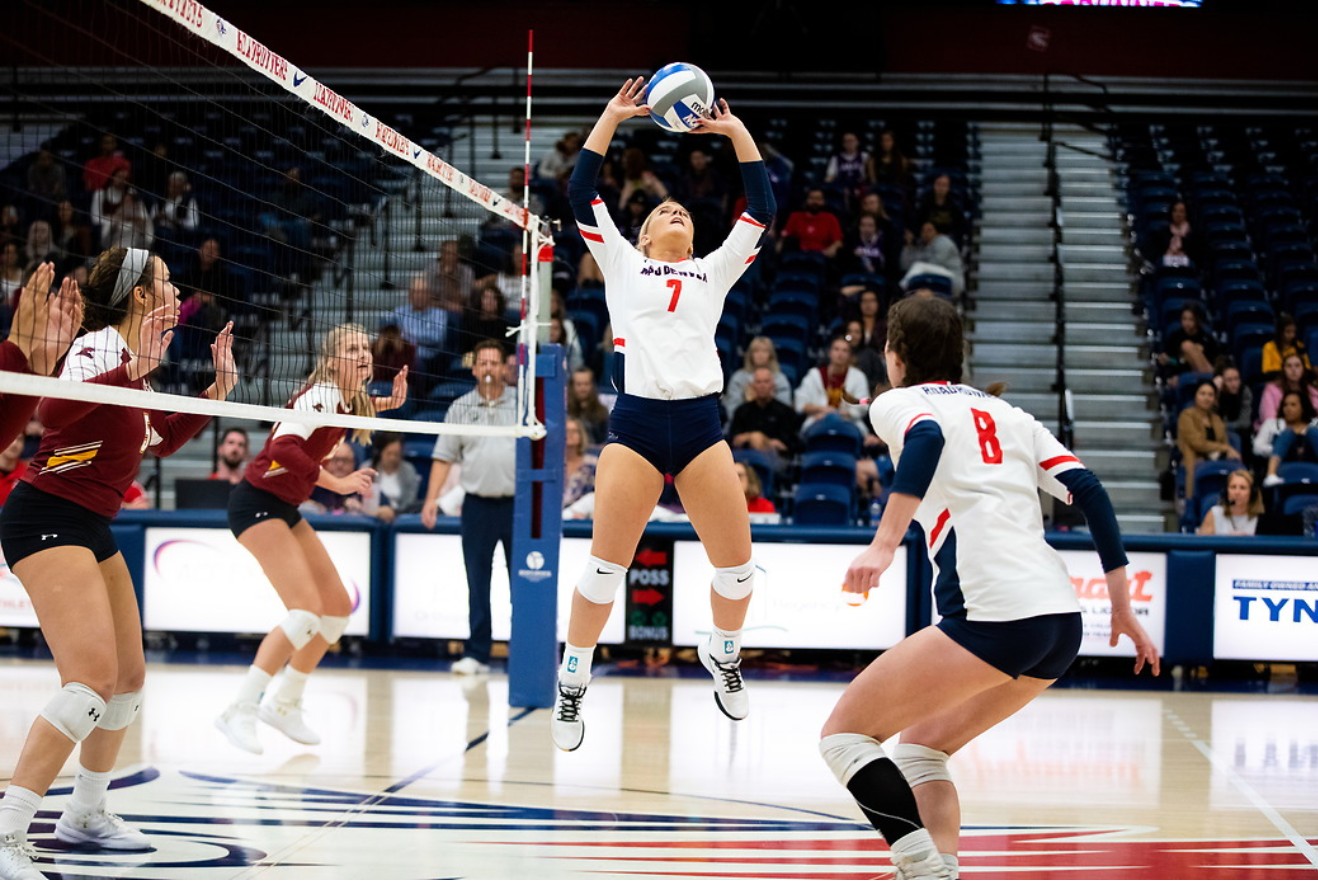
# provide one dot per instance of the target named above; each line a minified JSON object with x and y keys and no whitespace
{"x":664,"y":304}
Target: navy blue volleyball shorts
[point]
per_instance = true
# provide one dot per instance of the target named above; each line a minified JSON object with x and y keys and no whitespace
{"x":1041,"y":647}
{"x":669,"y":434}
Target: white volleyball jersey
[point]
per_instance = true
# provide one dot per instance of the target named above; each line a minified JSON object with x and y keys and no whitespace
{"x":981,"y":515}
{"x":665,"y":314}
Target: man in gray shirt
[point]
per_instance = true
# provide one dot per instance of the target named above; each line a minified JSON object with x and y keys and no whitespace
{"x":489,"y":466}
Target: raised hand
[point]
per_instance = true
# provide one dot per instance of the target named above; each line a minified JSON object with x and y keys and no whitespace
{"x":358,"y":482}
{"x":156,"y":333}
{"x":722,"y":121}
{"x":397,"y":396}
{"x":46,"y":323}
{"x":629,"y":102}
{"x":226,"y":370}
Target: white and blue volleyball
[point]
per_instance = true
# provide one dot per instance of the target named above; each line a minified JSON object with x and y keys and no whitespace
{"x":679,"y":96}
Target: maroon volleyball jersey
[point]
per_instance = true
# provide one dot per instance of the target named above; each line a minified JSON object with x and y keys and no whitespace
{"x":289,"y":463}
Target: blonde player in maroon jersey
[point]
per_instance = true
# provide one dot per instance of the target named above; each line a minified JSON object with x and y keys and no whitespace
{"x":263,"y":514}
{"x":55,"y":532}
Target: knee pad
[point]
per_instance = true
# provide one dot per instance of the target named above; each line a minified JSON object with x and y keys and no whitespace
{"x":735,"y":583}
{"x":75,"y":710}
{"x":848,"y":753}
{"x":121,"y":710}
{"x":920,"y":764}
{"x":599,"y":583}
{"x":300,"y":626}
{"x":332,"y":628}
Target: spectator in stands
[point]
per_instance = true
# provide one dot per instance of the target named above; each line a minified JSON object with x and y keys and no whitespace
{"x":231,"y":456}
{"x":1237,"y":514}
{"x":1287,"y":342}
{"x":341,"y":463}
{"x":423,"y":325}
{"x":583,"y":403}
{"x":508,"y":278}
{"x":940,"y":207}
{"x":11,"y":226}
{"x":11,"y":273}
{"x":764,"y":423}
{"x":209,"y":273}
{"x":759,"y":354}
{"x":486,"y":318}
{"x":849,"y":170}
{"x":1201,"y":433}
{"x":1235,"y":400}
{"x":1189,"y":348}
{"x":753,"y":490}
{"x":579,"y":464}
{"x":451,"y":281}
{"x":1294,"y":377}
{"x":497,"y":231}
{"x":72,"y":239}
{"x":835,"y":387}
{"x":397,"y":483}
{"x":559,"y":162}
{"x":636,"y":175}
{"x":779,"y":169}
{"x":106,"y":201}
{"x":511,"y":370}
{"x":888,"y":164}
{"x":294,"y":211}
{"x":866,"y":251}
{"x":176,"y":214}
{"x":12,"y":466}
{"x":46,"y":180}
{"x":704,"y":192}
{"x":391,"y":353}
{"x":868,"y":358}
{"x":1174,"y":244}
{"x":101,"y":168}
{"x":1295,"y":435}
{"x":813,"y":227}
{"x":936,"y":253}
{"x":151,"y":173}
{"x":571,"y":347}
{"x":40,"y":246}
{"x":129,"y":226}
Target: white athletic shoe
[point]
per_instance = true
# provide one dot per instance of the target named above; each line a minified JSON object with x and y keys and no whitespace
{"x":99,"y":828}
{"x":286,"y":716}
{"x":16,"y":855}
{"x":568,"y":729}
{"x":916,"y":857}
{"x":729,"y":688}
{"x":467,"y":666}
{"x":238,"y":723}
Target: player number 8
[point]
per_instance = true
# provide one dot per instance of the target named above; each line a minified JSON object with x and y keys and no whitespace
{"x":989,"y":446}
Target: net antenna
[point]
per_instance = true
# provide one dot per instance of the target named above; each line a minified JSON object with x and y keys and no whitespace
{"x":310,"y":99}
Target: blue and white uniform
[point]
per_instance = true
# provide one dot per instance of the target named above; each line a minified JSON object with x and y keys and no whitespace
{"x":666,"y":367}
{"x":977,"y":463}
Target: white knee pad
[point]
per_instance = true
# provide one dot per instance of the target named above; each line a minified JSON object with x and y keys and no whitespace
{"x":599,"y":583}
{"x":920,"y":764}
{"x":300,"y":626}
{"x":735,"y":583}
{"x":332,"y":628}
{"x":75,"y":710}
{"x":121,"y":710}
{"x":847,"y":753}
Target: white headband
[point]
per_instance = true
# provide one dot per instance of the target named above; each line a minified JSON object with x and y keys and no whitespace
{"x":133,"y":266}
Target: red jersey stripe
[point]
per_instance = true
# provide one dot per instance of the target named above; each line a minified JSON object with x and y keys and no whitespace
{"x":938,"y":527}
{"x":619,"y":341}
{"x":750,"y":259}
{"x":1056,"y":461}
{"x":594,"y":237}
{"x":750,"y":220}
{"x":597,"y":201}
{"x":914,"y":420}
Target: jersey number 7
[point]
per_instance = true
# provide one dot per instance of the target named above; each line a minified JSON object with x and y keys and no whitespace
{"x":676,"y":285}
{"x":989,"y":446}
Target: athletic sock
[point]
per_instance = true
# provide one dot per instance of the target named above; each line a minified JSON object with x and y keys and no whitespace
{"x":291,"y":686}
{"x":724,"y":645}
{"x":254,"y":685}
{"x":17,"y":809}
{"x":575,"y":669}
{"x":89,"y":789}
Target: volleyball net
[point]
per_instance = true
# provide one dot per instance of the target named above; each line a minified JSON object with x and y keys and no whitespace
{"x":278,"y":203}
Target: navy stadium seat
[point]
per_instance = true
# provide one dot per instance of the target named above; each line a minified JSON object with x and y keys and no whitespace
{"x":822,"y":505}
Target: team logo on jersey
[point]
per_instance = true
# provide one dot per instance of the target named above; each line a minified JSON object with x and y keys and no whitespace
{"x":274,"y":469}
{"x":66,"y":459}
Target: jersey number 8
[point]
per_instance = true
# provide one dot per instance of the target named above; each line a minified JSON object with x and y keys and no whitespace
{"x":989,"y":446}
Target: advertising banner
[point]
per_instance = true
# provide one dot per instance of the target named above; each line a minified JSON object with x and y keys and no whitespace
{"x":1147,"y":577}
{"x":798,"y":600}
{"x":202,"y":580}
{"x":1266,"y":608}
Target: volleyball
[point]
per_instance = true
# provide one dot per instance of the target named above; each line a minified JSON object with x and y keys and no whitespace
{"x":679,"y":95}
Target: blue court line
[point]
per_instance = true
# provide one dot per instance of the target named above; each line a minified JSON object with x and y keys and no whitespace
{"x":475,"y":742}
